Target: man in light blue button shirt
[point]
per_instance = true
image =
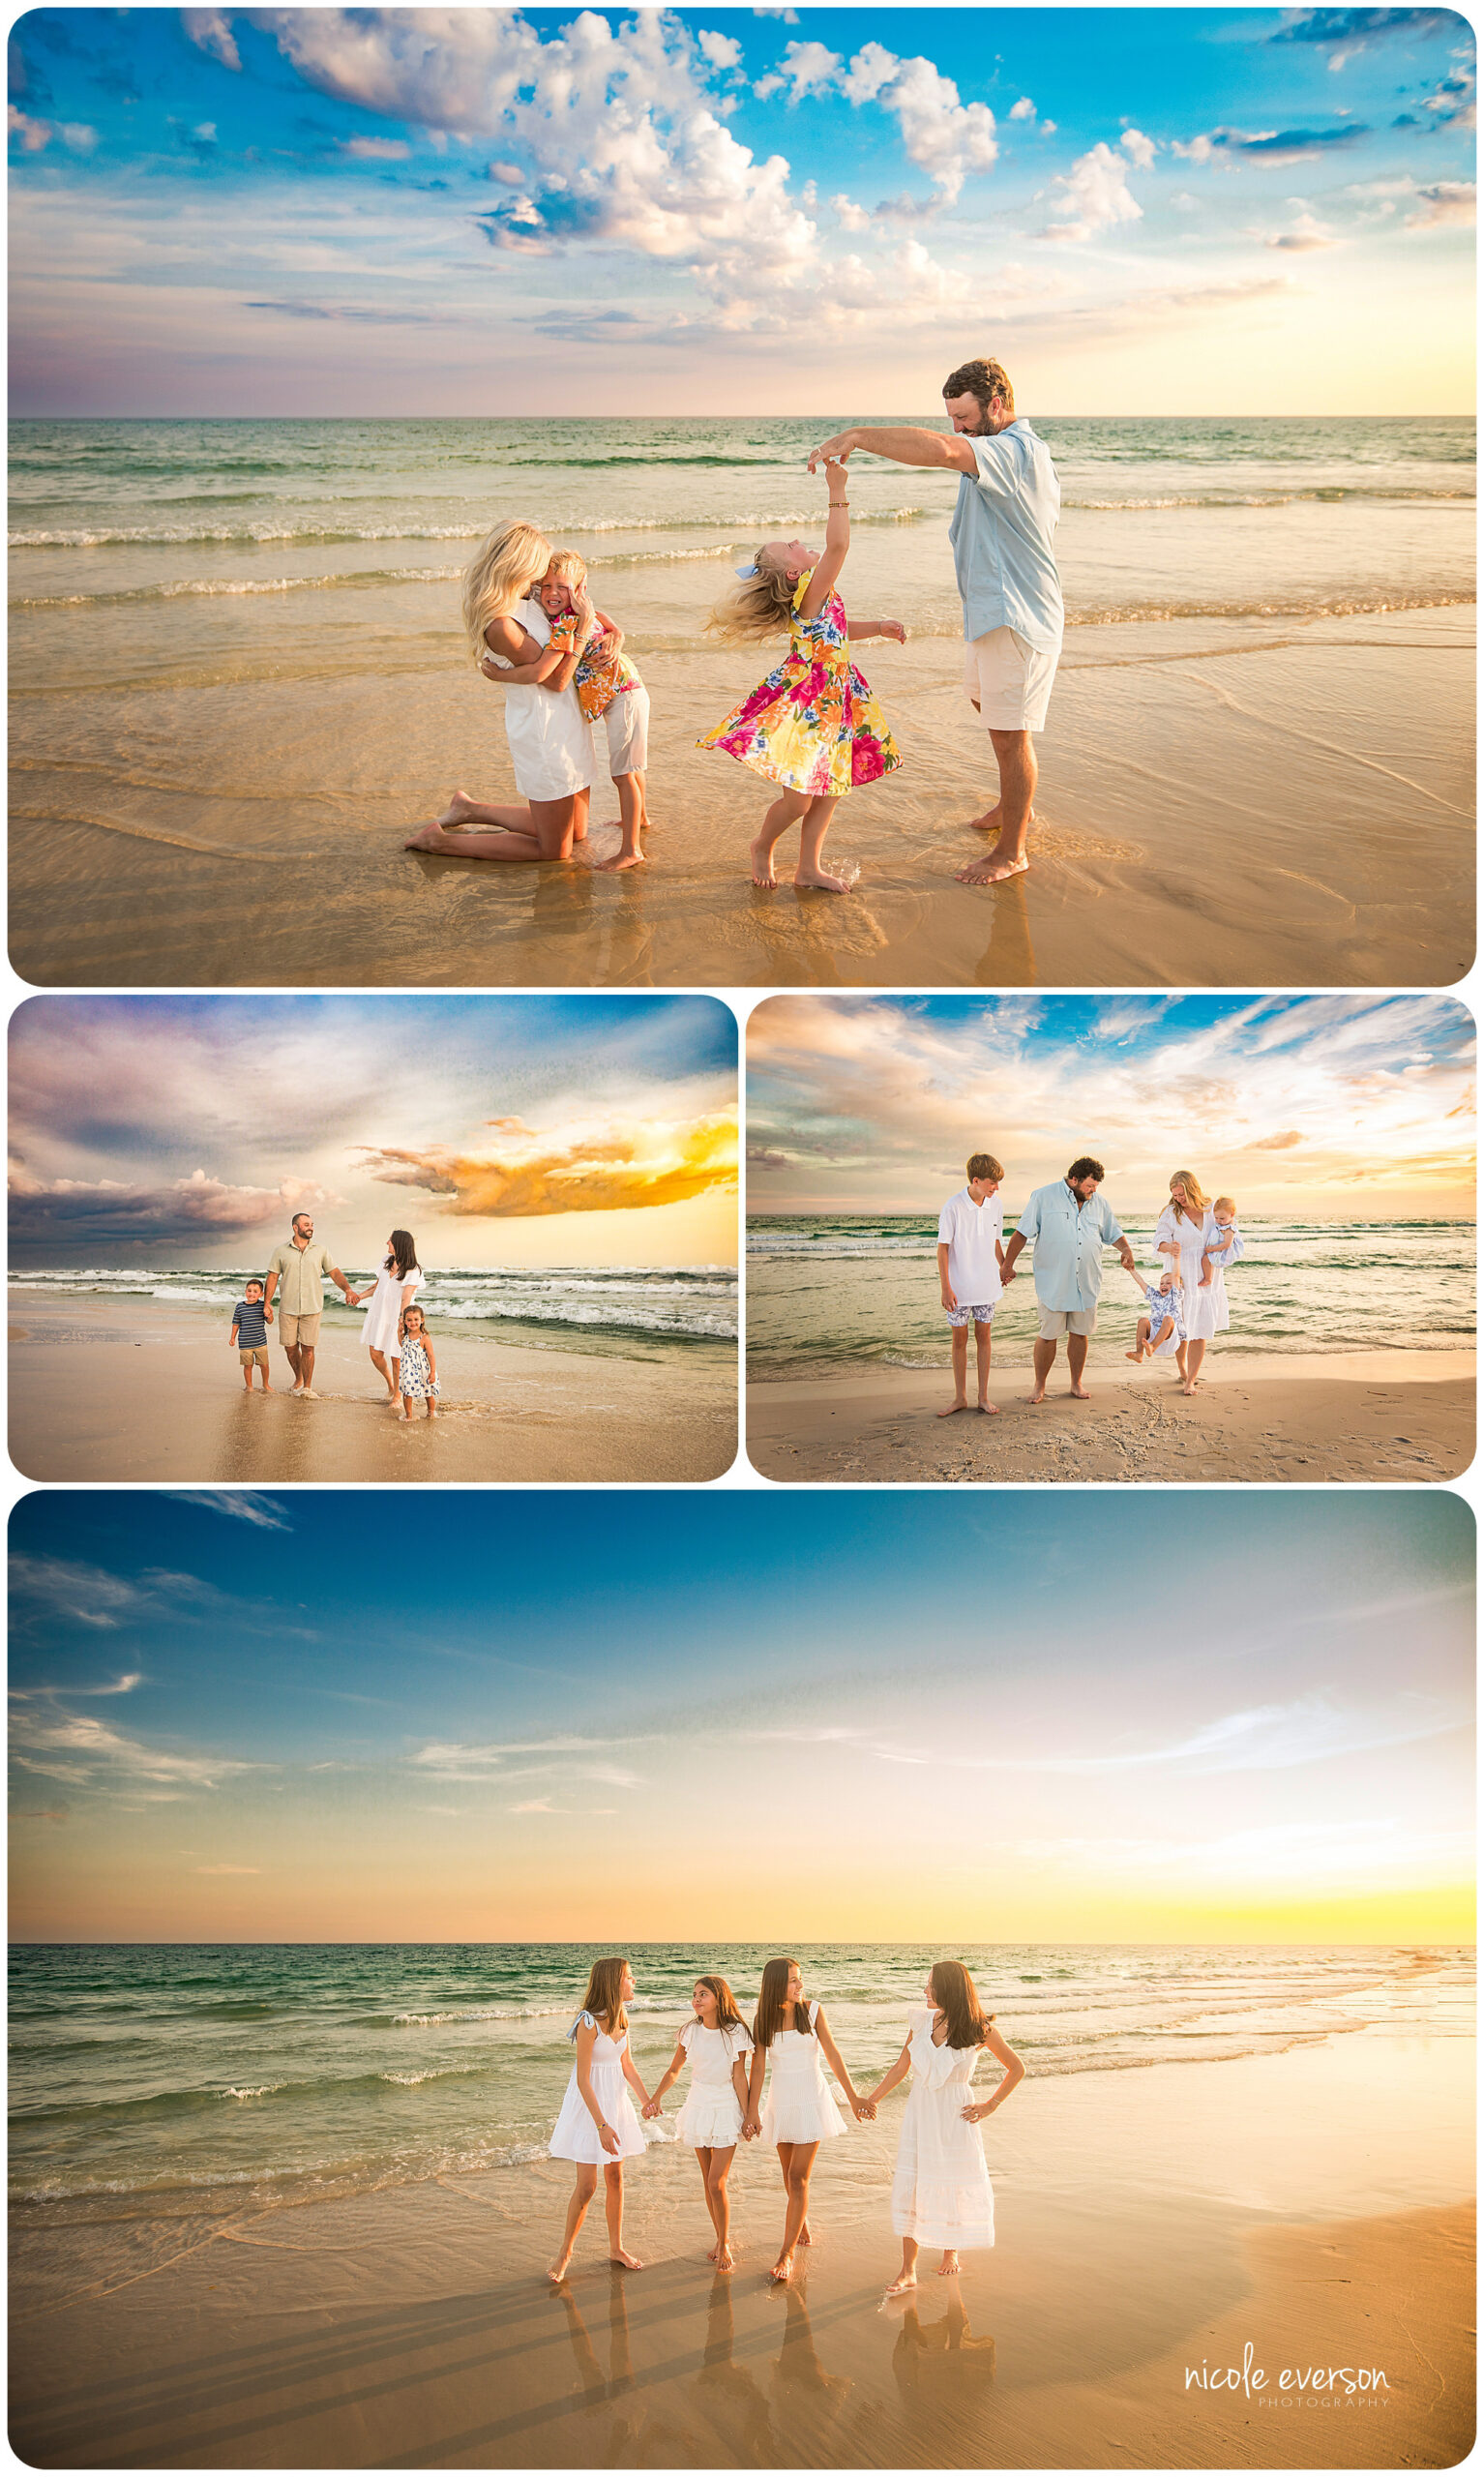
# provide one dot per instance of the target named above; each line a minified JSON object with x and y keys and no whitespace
{"x":1002,"y":532}
{"x":1070,"y":1225}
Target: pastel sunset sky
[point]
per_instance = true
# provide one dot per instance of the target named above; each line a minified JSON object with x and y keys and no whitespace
{"x":1347,"y":1107}
{"x":616,"y":1718}
{"x":186,"y":1131}
{"x":304,"y":211}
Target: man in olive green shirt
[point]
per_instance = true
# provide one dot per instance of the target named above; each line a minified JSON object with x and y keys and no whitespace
{"x":301,"y":1268}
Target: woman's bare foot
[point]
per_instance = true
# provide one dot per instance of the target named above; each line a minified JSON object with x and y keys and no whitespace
{"x":903,"y":2282}
{"x":723,"y":2258}
{"x":428,"y":838}
{"x":458,"y":812}
{"x":804,"y":2236}
{"x":626,"y":2261}
{"x":1078,"y":1392}
{"x":783,"y":2269}
{"x":559,"y":2269}
{"x":821,"y":880}
{"x":948,"y":2267}
{"x":760,"y":854}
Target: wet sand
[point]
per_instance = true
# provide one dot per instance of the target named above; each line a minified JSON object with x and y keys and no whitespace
{"x":128,"y":1389}
{"x":415,"y":2329}
{"x":1242,"y":802}
{"x":1362,"y":1415}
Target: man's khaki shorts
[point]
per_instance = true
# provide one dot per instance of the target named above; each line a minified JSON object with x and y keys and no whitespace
{"x":1056,"y":1320}
{"x":1009,"y":681}
{"x":299,"y":1329}
{"x":254,"y":1359}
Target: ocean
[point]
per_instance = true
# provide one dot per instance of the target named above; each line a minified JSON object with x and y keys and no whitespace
{"x":155,"y":2081}
{"x":829,"y":1291}
{"x":614,"y":1311}
{"x":166,"y":534}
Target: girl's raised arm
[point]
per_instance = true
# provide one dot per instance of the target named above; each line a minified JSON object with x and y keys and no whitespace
{"x":837,"y":2060}
{"x":837,"y":542}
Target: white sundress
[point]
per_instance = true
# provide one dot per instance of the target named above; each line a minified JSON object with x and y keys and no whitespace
{"x":1206,"y":1313}
{"x":799,"y":2106}
{"x":941,"y":2193}
{"x":574,"y":2135}
{"x":414,"y":1377}
{"x":1167,"y":1310}
{"x":550,"y":738}
{"x":1231,"y":1254}
{"x":710,"y":2117}
{"x":384,"y":1315}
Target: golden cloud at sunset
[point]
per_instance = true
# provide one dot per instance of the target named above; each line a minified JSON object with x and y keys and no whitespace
{"x":593,"y":1164}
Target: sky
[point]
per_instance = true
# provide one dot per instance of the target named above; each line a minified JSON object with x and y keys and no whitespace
{"x":174,"y":1132}
{"x":629,"y":1719}
{"x":305,"y":211}
{"x":1346,"y":1107}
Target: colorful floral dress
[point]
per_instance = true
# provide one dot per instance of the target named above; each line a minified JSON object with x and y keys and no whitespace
{"x":813,"y":725}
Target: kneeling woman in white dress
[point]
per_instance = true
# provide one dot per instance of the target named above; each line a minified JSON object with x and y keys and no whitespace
{"x":800,"y":2112}
{"x":717,"y":2043}
{"x":596,"y":2126}
{"x":941,"y":2192}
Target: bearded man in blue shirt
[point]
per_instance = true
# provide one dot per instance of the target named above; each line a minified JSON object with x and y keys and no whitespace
{"x":1002,"y":532}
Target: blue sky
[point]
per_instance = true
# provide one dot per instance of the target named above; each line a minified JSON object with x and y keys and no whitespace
{"x":328,"y":210}
{"x":223,"y":1723}
{"x":1346,"y":1106}
{"x":184,"y":1130}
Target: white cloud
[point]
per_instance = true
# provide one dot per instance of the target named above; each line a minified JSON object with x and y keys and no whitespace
{"x":1141,"y":149}
{"x":37,"y":135}
{"x":210,"y":30}
{"x":1025,"y":109}
{"x":1443,"y":202}
{"x":946,"y":138}
{"x":1094,"y":195}
{"x":851,"y":217}
{"x":261,"y":1512}
{"x":1305,"y":233}
{"x":724,"y":51}
{"x":806,"y":69}
{"x":73,"y":1746}
{"x":376,"y":150}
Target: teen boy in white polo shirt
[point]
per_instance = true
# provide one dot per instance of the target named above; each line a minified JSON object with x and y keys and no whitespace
{"x":970,"y":1273}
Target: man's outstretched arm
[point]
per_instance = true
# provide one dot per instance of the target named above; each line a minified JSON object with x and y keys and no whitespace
{"x":937,"y":450}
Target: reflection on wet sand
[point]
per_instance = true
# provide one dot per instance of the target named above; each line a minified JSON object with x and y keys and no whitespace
{"x":941,"y":2363}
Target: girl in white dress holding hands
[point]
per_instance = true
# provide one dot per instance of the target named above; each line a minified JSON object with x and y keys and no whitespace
{"x":596,"y":2126}
{"x":800,"y":2112}
{"x":718,"y":2044}
{"x":1182,"y":1234}
{"x":941,"y":2192}
{"x":390,"y":1294}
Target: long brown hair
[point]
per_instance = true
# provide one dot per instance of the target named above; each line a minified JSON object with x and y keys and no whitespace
{"x":773,"y":1996}
{"x":726,"y":2015}
{"x":404,"y":1254}
{"x":604,"y":1999}
{"x":955,"y":1994}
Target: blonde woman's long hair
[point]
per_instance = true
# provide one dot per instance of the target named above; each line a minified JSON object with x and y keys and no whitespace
{"x":1197,"y":1194}
{"x":508,"y":562}
{"x":758,"y":607}
{"x":604,"y":1999}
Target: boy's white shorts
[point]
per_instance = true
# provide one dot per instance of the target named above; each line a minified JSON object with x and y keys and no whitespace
{"x":627,"y":724}
{"x":1009,"y":679}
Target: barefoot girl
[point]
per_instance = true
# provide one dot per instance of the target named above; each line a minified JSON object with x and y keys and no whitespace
{"x":941,"y":2192}
{"x":419,"y":1374}
{"x":800,"y":2112}
{"x":813,"y":726}
{"x":551,"y":744}
{"x":609,"y":692}
{"x":597,"y":2126}
{"x":717,"y":2040}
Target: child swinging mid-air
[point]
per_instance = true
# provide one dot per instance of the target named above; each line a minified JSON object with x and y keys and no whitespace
{"x":813,"y":726}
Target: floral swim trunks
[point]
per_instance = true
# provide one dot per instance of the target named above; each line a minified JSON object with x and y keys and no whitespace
{"x":961,"y":1314}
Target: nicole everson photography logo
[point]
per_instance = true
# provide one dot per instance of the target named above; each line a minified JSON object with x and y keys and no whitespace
{"x":1299,"y":2382}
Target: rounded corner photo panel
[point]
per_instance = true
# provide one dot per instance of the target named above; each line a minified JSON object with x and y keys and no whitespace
{"x":928,"y":499}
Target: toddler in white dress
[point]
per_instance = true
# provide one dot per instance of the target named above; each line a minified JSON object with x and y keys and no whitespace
{"x":717,"y":2043}
{"x":596,"y":2126}
{"x":800,"y":2112}
{"x":1161,"y":1329}
{"x":941,"y":2192}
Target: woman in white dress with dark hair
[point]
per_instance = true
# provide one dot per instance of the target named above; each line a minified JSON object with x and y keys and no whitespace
{"x":716,"y":2043}
{"x":596,"y":2126}
{"x":1181,"y":1235}
{"x":390,"y":1294}
{"x":941,"y":2192}
{"x":792,"y":2035}
{"x":550,"y":739}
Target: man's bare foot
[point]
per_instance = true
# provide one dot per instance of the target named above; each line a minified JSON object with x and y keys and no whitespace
{"x":952,"y":1406}
{"x":1036,"y":1400}
{"x":948,"y":2267}
{"x":989,"y":1410}
{"x":992,"y":822}
{"x":900,"y":2285}
{"x":783,"y":2269}
{"x":760,"y":854}
{"x":1079,"y":1393}
{"x":626,"y":2261}
{"x":822,"y":882}
{"x":991,"y":870}
{"x":458,"y":812}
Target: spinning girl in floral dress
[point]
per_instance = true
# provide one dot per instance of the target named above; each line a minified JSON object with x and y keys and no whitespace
{"x":813,"y":726}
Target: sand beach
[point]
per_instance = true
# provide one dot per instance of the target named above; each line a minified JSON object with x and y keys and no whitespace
{"x":1150,"y":2224}
{"x":238,"y":685}
{"x":1359,"y":1415}
{"x":130,"y":1389}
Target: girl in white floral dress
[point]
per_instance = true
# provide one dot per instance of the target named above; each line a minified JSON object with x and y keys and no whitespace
{"x":941,"y":2192}
{"x":419,"y":1368}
